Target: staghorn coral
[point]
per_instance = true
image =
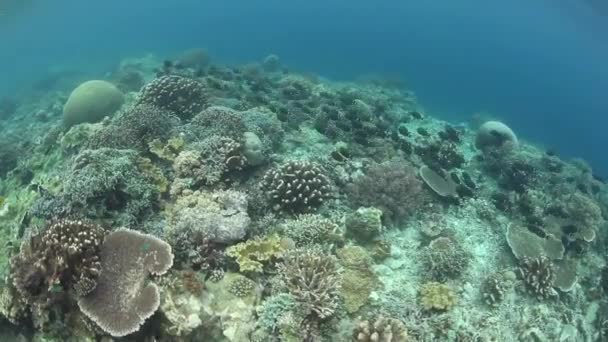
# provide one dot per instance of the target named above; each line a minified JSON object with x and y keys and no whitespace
{"x":381,"y":329}
{"x":253,"y":254}
{"x":220,"y":215}
{"x":183,"y":96}
{"x":445,"y":258}
{"x":437,"y":296}
{"x":312,"y":278}
{"x":66,"y":256}
{"x":391,"y":187}
{"x":538,"y":275}
{"x":123,"y":299}
{"x":296,"y":186}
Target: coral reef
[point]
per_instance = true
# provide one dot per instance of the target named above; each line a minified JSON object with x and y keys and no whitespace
{"x":349,"y":212}
{"x":123,"y":300}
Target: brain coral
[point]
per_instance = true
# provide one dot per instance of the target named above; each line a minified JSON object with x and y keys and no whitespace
{"x":91,"y":101}
{"x":123,"y":299}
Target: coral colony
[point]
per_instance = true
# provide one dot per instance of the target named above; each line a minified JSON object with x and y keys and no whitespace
{"x":184,"y":200}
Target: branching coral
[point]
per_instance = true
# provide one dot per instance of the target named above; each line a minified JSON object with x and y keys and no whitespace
{"x":297,"y":186}
{"x":311,"y":229}
{"x":64,"y":257}
{"x":391,"y":187}
{"x":538,"y":276}
{"x":312,"y":278}
{"x":183,"y":96}
{"x":381,"y":329}
{"x":218,"y":121}
{"x":123,"y":299}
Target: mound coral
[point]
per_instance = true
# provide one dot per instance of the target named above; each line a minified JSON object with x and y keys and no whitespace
{"x":66,"y":256}
{"x":312,"y":278}
{"x":297,"y":186}
{"x":123,"y":299}
{"x":445,"y":258}
{"x":494,"y":134}
{"x":365,"y":223}
{"x":91,"y":101}
{"x":183,"y":96}
{"x":391,"y":187}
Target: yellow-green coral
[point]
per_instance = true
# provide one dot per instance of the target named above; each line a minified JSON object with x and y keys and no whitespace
{"x":253,"y":254}
{"x":437,"y":296}
{"x":167,"y":151}
{"x":156,"y":174}
{"x":358,"y":278}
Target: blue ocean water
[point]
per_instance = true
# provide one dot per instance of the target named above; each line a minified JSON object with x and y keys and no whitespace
{"x":541,"y":66}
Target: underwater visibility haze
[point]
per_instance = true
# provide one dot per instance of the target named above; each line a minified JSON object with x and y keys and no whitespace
{"x":303,"y":170}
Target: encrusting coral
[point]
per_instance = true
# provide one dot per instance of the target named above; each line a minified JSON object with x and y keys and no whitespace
{"x":123,"y":299}
{"x":252,"y":255}
{"x":437,"y":296}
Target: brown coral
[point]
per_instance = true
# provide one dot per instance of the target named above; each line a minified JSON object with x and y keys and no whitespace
{"x":65,"y":256}
{"x":538,"y":275}
{"x":122,"y":300}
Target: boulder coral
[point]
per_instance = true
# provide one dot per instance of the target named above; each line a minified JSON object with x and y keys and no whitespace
{"x":91,"y":101}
